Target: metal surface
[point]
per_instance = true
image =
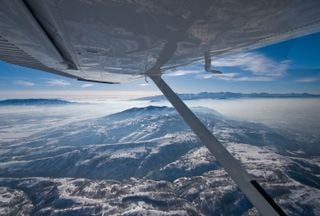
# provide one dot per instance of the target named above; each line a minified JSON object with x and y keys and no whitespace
{"x":227,"y":161}
{"x":121,"y":40}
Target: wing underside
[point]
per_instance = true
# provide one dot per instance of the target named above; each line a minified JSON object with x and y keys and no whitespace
{"x":118,"y":41}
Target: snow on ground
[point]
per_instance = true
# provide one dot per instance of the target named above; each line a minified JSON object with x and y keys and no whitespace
{"x":146,"y":160}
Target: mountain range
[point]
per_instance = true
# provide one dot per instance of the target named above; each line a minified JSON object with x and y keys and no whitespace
{"x":146,"y":161}
{"x":33,"y":101}
{"x":232,"y":95}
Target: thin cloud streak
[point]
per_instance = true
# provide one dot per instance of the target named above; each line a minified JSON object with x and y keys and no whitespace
{"x":58,"y":82}
{"x":255,"y":79}
{"x":224,"y":76}
{"x":236,"y":77}
{"x":182,"y":72}
{"x":143,"y":84}
{"x":308,"y":80}
{"x":87,"y":85}
{"x":24,"y":83}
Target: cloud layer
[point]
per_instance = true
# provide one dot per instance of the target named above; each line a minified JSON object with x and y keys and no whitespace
{"x":250,"y":66}
{"x":256,"y":63}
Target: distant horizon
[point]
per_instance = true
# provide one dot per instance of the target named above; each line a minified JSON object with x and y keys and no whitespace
{"x":123,"y":96}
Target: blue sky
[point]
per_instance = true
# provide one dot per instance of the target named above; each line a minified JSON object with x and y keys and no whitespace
{"x":290,"y":66}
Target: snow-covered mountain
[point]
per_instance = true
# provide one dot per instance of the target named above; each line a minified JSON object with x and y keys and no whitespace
{"x":147,"y":161}
{"x":233,"y":95}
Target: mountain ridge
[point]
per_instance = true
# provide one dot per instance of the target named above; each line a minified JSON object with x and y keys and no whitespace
{"x":232,"y":95}
{"x":33,"y":101}
{"x":146,"y":161}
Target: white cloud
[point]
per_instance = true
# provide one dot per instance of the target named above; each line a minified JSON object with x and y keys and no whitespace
{"x":235,"y":77}
{"x":255,"y":63}
{"x":23,"y":83}
{"x":255,"y":67}
{"x":255,"y":78}
{"x":182,"y":72}
{"x":258,"y":67}
{"x":143,"y":84}
{"x":224,"y":76}
{"x":87,"y":85}
{"x":58,"y":82}
{"x":308,"y":79}
{"x":205,"y":76}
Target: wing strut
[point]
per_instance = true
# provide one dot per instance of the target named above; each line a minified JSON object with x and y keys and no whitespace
{"x":253,"y":191}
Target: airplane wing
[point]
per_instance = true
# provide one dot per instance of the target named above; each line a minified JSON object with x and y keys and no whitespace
{"x":117,"y":41}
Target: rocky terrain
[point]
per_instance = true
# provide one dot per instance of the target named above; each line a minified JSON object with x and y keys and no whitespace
{"x":146,"y":161}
